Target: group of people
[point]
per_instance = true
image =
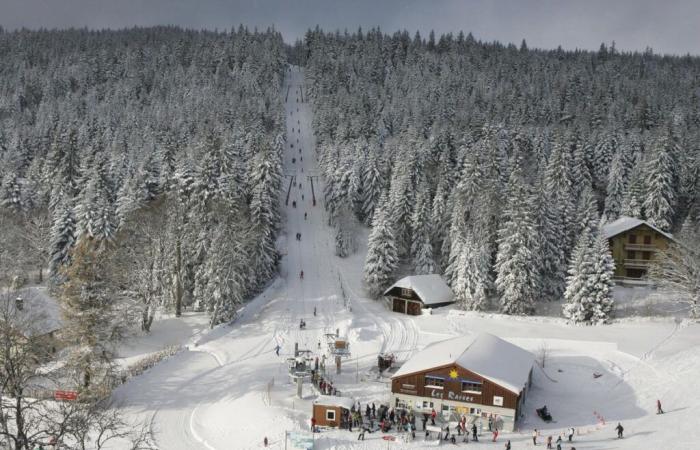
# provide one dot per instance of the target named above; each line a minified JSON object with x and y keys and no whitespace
{"x":324,"y":386}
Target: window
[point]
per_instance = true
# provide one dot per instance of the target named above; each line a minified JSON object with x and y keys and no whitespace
{"x":497,"y":401}
{"x":634,"y":273}
{"x":428,"y":404}
{"x":646,"y":255}
{"x":631,"y":254}
{"x":471,"y":386}
{"x":632,"y":238}
{"x":330,"y":414}
{"x":434,"y":382}
{"x":647,"y":240}
{"x":406,"y":293}
{"x":410,"y":387}
{"x":475,"y":411}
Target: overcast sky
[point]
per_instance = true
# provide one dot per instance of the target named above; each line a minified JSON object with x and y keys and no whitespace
{"x":668,"y":26}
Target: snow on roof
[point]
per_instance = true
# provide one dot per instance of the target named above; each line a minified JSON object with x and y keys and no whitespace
{"x":40,"y":313}
{"x":332,"y":400}
{"x":489,"y":356}
{"x":431,"y":289}
{"x":625,"y":223}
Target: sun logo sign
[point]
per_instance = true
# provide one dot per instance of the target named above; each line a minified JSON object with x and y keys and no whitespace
{"x":454,"y":374}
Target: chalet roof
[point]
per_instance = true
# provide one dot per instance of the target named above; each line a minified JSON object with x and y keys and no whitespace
{"x":431,"y":289}
{"x":40,"y":314}
{"x":489,"y":356}
{"x":332,"y":400}
{"x":625,"y":223}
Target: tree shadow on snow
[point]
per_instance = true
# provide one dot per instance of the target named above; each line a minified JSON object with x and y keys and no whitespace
{"x":575,"y":397}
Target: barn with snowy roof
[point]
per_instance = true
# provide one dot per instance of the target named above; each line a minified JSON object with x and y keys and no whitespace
{"x":478,"y":375}
{"x":411,"y":294}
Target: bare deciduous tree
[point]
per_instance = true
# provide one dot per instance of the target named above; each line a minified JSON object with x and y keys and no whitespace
{"x":677,"y":271}
{"x":29,"y":415}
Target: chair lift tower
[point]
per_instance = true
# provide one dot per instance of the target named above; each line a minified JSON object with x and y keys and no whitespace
{"x":339,"y":347}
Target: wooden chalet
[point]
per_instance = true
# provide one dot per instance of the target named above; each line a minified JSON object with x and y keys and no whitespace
{"x":476,"y":375}
{"x":633,"y":244}
{"x":410,"y":295}
{"x":332,"y":411}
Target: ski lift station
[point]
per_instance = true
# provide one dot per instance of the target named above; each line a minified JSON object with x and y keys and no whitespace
{"x":477,"y":375}
{"x":410,"y":295}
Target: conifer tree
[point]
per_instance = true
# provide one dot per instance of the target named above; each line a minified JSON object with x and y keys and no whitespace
{"x":517,"y":279}
{"x":62,"y":237}
{"x":617,"y":184}
{"x":589,"y":284}
{"x":660,"y":197}
{"x":382,"y":253}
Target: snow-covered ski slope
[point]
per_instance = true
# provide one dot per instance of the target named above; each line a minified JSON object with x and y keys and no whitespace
{"x":231,"y":389}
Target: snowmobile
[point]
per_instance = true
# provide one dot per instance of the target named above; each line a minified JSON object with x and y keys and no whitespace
{"x":544,"y":414}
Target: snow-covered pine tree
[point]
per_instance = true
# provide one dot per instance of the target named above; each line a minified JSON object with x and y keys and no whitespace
{"x":11,"y":193}
{"x":602,"y":282}
{"x":473,"y":277}
{"x":589,"y":284}
{"x":94,"y":212}
{"x":421,"y":243}
{"x":580,"y":271}
{"x":372,"y":186}
{"x":587,"y":216}
{"x":382,"y":254}
{"x":552,"y":251}
{"x":617,"y":184}
{"x":128,"y":200}
{"x":62,"y":237}
{"x":660,"y":196}
{"x":345,"y":232}
{"x":632,"y":203}
{"x":518,"y":274}
{"x":559,"y":184}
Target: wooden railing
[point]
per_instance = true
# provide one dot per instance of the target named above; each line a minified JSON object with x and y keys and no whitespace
{"x":641,"y":247}
{"x":641,"y":263}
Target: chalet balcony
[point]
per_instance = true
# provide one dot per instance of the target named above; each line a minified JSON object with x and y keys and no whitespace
{"x":637,"y":263}
{"x":641,"y":247}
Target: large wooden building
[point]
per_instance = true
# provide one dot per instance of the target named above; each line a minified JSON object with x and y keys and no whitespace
{"x":479,"y":375}
{"x":633,"y":244}
{"x":411,"y":294}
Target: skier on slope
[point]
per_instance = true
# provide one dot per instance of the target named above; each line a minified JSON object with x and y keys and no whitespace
{"x":304,"y":216}
{"x":619,"y":430}
{"x":658,"y":407}
{"x":301,"y":275}
{"x":277,"y":349}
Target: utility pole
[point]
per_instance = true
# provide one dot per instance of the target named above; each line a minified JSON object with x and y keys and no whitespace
{"x":313,"y":193}
{"x":292,"y":182}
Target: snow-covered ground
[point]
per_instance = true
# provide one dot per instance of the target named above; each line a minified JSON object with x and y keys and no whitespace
{"x":229,"y":389}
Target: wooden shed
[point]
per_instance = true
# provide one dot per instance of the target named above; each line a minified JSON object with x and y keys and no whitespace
{"x":332,"y":411}
{"x":410,"y":295}
{"x":479,"y":375}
